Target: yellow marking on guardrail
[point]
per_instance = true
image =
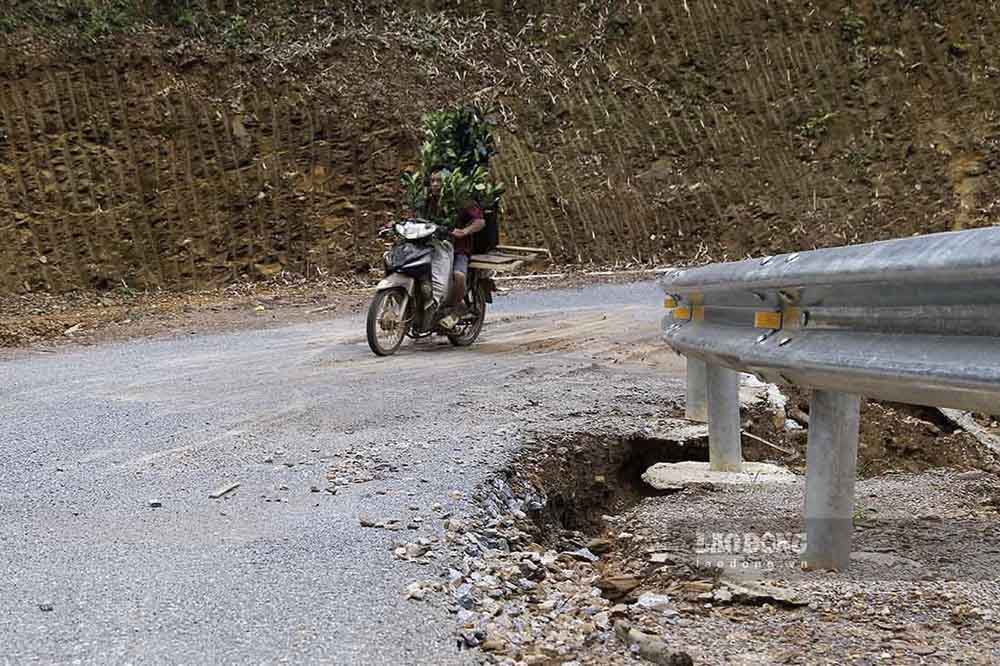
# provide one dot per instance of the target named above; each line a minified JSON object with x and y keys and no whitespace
{"x":670,"y":302}
{"x":686,"y":313}
{"x":771,"y":320}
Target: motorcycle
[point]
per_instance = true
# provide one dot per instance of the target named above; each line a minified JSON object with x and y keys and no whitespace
{"x":399,"y":308}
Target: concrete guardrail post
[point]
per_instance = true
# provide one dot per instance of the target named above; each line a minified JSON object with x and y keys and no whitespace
{"x":831,"y":469}
{"x":725,"y":448}
{"x":696,"y":399}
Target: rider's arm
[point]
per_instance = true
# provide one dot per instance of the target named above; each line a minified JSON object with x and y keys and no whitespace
{"x":477,"y":225}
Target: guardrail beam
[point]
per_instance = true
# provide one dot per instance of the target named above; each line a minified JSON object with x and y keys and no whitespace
{"x":831,"y":469}
{"x":696,"y":399}
{"x":725,"y":448}
{"x":914,"y":320}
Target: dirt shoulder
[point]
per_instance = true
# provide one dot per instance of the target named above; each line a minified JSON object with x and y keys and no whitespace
{"x":45,"y":322}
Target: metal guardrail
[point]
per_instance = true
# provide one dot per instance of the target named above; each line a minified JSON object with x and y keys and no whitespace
{"x":913,"y":320}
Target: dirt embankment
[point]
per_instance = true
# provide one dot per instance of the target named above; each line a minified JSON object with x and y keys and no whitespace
{"x":194,"y":149}
{"x":893,"y":438}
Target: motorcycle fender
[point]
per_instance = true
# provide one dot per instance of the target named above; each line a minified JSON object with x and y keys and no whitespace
{"x":395,"y":281}
{"x":491,"y":287}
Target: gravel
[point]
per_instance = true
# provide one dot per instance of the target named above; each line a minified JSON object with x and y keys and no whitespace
{"x":923,"y":583}
{"x":263,"y":574}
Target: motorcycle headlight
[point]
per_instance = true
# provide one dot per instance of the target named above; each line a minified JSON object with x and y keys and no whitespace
{"x":415,"y":230}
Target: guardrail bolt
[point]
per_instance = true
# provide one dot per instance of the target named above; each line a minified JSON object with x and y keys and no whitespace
{"x":787,"y":296}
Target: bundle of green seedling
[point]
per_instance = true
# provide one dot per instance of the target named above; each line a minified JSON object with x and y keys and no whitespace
{"x":460,"y":143}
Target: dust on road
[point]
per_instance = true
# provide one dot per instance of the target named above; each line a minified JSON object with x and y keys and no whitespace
{"x":114,"y":551}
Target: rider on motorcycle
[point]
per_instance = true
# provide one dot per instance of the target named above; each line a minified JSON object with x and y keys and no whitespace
{"x":447,"y":258}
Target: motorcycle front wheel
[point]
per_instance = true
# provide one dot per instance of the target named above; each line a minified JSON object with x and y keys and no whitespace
{"x":387,"y":321}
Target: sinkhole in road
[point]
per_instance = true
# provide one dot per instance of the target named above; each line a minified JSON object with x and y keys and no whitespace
{"x":561,"y":487}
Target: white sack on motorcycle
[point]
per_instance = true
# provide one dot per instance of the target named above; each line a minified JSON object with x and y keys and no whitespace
{"x":410,"y":259}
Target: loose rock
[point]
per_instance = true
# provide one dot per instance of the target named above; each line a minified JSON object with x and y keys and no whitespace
{"x":651,"y":648}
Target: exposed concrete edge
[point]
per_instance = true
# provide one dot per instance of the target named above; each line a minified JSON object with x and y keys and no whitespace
{"x":965,"y":421}
{"x":671,"y":476}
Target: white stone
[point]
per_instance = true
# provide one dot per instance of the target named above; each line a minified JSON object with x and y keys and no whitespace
{"x":652,"y":601}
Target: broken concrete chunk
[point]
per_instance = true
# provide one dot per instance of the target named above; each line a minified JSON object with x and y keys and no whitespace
{"x":669,"y":476}
{"x":653,"y":601}
{"x":965,"y":421}
{"x":680,"y":431}
{"x":758,"y":593}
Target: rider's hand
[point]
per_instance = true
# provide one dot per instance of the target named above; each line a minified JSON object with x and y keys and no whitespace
{"x":458,"y":233}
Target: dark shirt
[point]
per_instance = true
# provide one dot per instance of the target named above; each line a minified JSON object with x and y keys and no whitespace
{"x":466,"y":216}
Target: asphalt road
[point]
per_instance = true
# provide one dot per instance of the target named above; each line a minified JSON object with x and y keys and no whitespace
{"x":91,"y":573}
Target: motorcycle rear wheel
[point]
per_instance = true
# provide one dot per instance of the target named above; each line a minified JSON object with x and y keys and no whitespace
{"x":386,"y":326}
{"x":472,"y":330}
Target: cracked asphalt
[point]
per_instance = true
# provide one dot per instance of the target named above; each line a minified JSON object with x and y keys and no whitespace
{"x":273,"y":572}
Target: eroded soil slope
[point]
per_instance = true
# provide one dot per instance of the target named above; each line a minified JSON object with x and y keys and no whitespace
{"x":196,"y":147}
